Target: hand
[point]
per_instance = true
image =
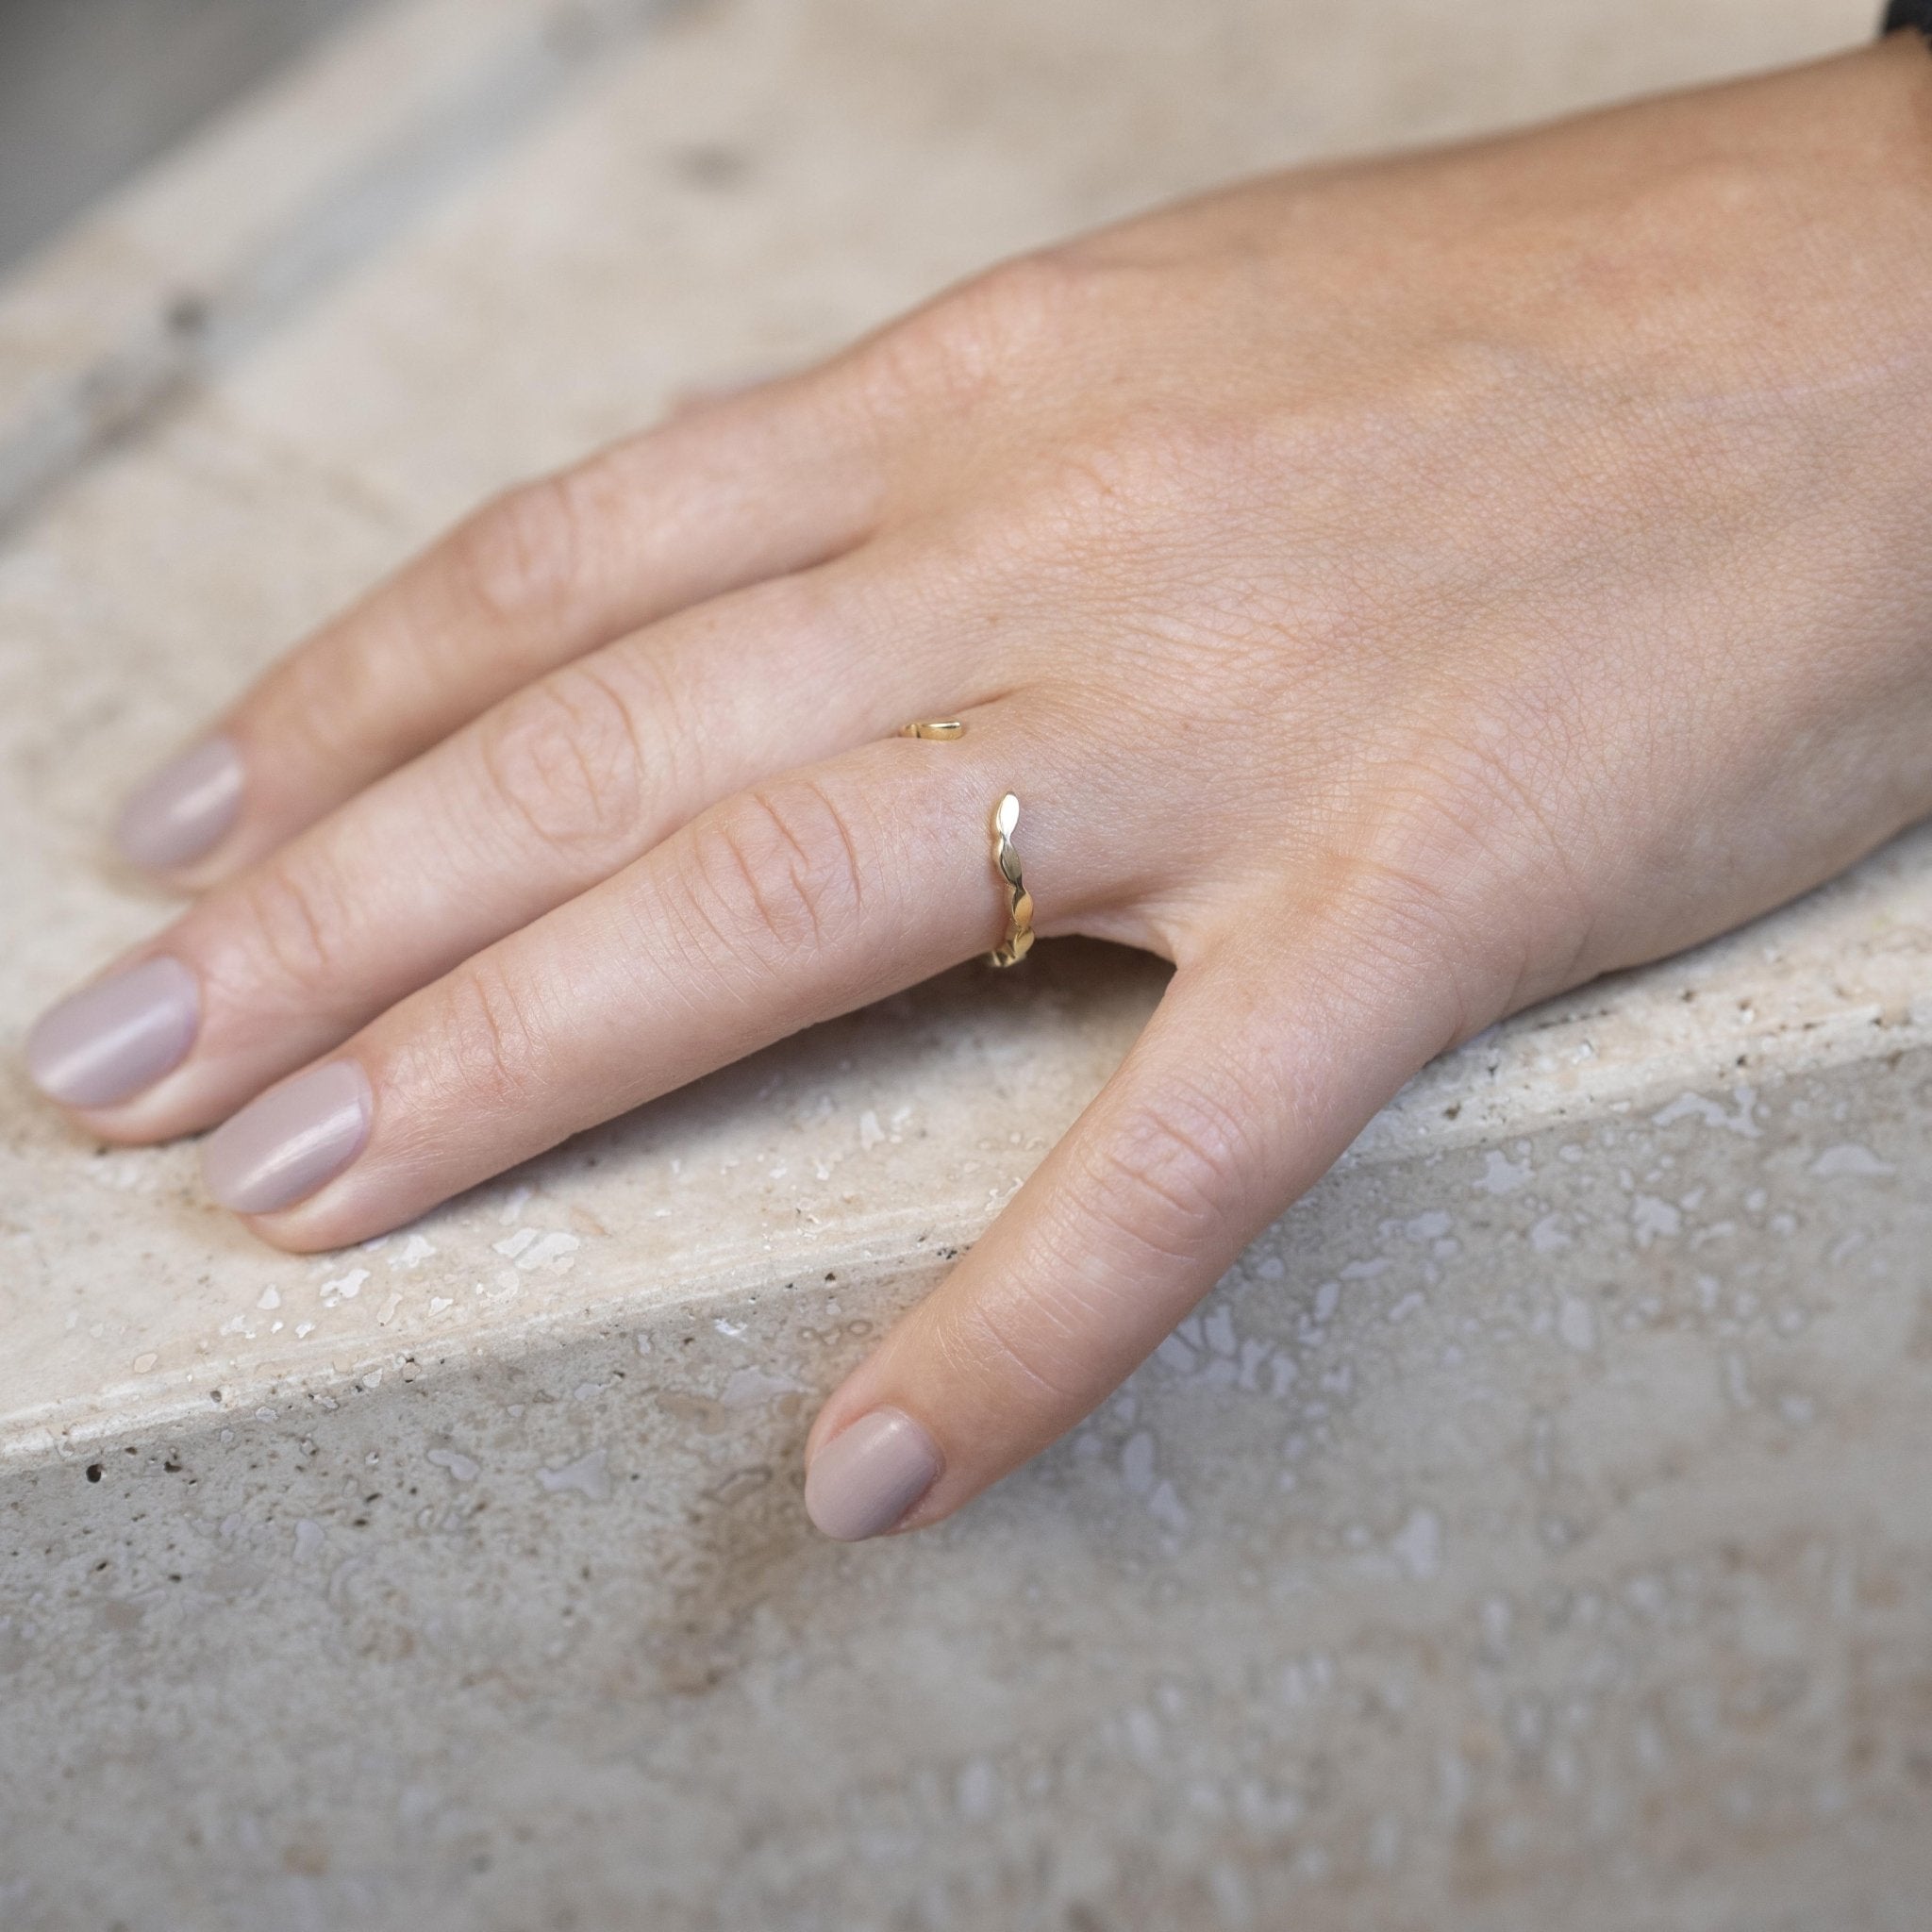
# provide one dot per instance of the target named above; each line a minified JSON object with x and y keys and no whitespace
{"x":1394,"y":592}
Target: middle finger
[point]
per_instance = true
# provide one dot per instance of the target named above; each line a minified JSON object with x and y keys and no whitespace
{"x":552,"y":790}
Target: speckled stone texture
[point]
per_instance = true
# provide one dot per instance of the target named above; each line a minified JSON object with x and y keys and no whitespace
{"x":1530,"y":1534}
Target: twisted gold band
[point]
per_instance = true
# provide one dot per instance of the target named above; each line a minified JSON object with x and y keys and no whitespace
{"x":1006,"y":862}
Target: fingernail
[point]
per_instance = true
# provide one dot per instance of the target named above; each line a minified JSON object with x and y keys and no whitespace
{"x":868,"y":1475}
{"x":107,"y":1042}
{"x":183,"y":809}
{"x":285,"y":1145}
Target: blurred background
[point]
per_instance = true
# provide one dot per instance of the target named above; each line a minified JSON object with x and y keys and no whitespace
{"x":92,"y":89}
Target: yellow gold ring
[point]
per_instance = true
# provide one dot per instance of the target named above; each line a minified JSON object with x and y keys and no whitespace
{"x":934,"y":727}
{"x":1006,"y":862}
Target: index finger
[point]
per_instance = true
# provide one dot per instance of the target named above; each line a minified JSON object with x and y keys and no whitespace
{"x":756,"y":487}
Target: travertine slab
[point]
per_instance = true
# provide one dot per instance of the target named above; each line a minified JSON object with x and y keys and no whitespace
{"x":1530,"y":1534}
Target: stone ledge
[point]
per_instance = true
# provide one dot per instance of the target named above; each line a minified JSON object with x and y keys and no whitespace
{"x":217,"y":246}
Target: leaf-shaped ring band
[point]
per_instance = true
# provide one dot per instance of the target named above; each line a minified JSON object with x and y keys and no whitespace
{"x":1006,"y":862}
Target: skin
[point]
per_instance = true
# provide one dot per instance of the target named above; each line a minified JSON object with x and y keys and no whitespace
{"x":1396,"y":593}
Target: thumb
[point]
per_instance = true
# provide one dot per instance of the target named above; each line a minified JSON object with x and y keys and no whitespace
{"x":1264,"y":1059}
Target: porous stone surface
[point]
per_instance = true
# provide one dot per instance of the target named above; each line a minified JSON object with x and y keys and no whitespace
{"x":1529,"y":1533}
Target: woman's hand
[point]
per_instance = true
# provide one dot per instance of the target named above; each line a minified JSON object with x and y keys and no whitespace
{"x":1394,"y":594}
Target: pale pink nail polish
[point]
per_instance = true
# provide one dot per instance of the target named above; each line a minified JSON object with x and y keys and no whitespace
{"x":185,"y":809}
{"x":865,"y":1479}
{"x":106,"y":1042}
{"x":297,"y":1135}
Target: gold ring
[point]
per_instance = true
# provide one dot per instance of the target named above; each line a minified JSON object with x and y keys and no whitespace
{"x":1006,"y":862}
{"x":934,"y":727}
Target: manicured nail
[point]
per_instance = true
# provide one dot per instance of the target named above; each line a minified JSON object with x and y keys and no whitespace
{"x":285,"y":1145}
{"x":107,"y":1042}
{"x":868,"y":1475}
{"x":185,"y":809}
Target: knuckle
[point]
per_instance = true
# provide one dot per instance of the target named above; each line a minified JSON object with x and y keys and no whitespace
{"x":1168,"y":1176}
{"x":523,"y":553}
{"x":975,"y":337}
{"x":774,"y":874}
{"x":1028,"y":297}
{"x":563,"y":761}
{"x":296,"y":917}
{"x":488,"y":1037}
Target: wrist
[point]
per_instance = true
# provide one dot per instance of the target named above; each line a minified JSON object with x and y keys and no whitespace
{"x":1823,"y":206}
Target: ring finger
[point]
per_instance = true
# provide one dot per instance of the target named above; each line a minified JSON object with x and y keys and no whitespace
{"x":788,"y":902}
